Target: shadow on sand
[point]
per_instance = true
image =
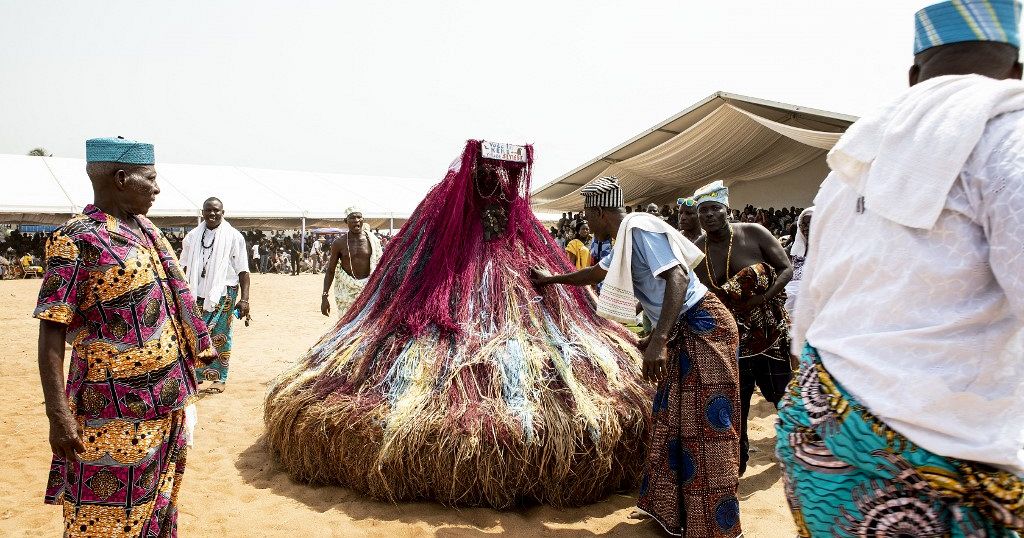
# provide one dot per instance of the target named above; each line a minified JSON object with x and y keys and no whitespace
{"x":257,"y":468}
{"x":763,"y":470}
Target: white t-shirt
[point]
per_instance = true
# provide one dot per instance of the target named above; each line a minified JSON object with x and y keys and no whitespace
{"x":256,"y":251}
{"x":926,"y":327}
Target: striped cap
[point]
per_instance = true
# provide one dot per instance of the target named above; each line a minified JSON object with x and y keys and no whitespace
{"x":602,"y":192}
{"x":956,"y":21}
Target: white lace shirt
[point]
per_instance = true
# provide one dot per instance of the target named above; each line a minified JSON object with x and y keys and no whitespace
{"x":924,"y":327}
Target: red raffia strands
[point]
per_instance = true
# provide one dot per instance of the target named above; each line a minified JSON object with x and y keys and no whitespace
{"x":452,"y":378}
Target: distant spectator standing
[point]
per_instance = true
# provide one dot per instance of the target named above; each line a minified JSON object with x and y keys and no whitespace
{"x":579,"y":248}
{"x":255,"y":266}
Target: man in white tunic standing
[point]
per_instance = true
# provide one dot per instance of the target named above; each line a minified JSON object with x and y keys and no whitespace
{"x":217,"y":268}
{"x":908,"y":415}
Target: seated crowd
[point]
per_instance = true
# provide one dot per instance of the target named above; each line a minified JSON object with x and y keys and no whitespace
{"x":276,"y":252}
{"x":21,"y":254}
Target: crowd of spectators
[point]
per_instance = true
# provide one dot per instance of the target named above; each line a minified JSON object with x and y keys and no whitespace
{"x":276,"y":251}
{"x":21,"y":251}
{"x":780,"y":222}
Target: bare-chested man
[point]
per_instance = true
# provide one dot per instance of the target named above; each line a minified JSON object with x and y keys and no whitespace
{"x":746,"y":267}
{"x":357,"y":253}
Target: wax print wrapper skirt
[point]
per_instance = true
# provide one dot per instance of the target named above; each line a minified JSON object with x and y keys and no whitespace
{"x":691,"y":476}
{"x":126,"y":482}
{"x":848,"y":474}
{"x":347,"y":290}
{"x":218,"y":323}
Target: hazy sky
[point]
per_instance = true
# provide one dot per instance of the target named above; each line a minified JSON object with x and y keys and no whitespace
{"x":394,"y":88}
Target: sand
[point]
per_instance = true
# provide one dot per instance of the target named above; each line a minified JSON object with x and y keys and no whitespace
{"x":233,"y":488}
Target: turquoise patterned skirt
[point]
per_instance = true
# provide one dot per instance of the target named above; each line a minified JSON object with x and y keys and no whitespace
{"x":218,"y":323}
{"x":848,"y":474}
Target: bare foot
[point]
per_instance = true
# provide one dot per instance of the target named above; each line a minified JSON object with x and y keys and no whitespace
{"x":637,"y":514}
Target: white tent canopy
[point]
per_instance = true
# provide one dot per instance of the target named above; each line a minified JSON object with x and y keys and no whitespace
{"x":743,"y":141}
{"x":47,"y":190}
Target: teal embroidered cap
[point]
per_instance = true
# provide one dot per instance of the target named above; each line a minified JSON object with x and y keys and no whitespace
{"x":118,"y":150}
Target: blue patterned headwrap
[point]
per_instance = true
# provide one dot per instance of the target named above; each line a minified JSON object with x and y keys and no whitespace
{"x":118,"y":150}
{"x":967,"y":20}
{"x":712,"y":192}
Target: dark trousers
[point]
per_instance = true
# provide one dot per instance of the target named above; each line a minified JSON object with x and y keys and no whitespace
{"x":295,"y":262}
{"x":771,"y":375}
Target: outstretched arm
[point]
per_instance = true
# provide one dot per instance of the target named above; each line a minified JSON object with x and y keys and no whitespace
{"x":584,"y":277}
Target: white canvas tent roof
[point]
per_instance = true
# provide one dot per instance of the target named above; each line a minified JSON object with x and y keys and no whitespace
{"x":47,"y":190}
{"x":738,"y":139}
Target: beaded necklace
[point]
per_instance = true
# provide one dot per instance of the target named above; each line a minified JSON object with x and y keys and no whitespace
{"x":728,"y":260}
{"x":206,"y":256}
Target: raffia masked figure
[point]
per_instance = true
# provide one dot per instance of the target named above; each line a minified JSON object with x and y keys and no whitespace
{"x":452,"y":378}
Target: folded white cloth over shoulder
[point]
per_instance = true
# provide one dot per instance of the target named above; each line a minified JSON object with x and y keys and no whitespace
{"x":214,"y":285}
{"x":616,"y":300}
{"x":913,"y":148}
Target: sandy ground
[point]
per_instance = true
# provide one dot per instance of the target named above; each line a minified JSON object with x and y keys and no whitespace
{"x":233,"y":488}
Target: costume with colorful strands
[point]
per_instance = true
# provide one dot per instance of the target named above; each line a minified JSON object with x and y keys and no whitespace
{"x":453,"y":378}
{"x":135,"y":335}
{"x":848,"y":474}
{"x":689,"y":485}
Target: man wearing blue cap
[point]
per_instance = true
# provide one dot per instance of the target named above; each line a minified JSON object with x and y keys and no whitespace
{"x":907,"y":418}
{"x":114,"y":291}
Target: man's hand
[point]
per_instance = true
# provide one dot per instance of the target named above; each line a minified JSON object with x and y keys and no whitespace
{"x":655,"y":362}
{"x":539,"y":276}
{"x":66,"y":437}
{"x":243,"y":308}
{"x":325,"y":305}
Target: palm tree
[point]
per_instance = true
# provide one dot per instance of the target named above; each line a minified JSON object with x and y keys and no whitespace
{"x":40,"y":152}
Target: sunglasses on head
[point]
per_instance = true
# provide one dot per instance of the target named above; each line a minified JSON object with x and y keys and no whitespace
{"x":688,"y":202}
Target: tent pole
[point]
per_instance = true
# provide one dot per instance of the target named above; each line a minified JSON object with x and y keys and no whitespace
{"x":391,"y":227}
{"x":303,"y":236}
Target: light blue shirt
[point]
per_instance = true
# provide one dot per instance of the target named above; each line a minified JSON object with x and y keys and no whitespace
{"x":652,"y":256}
